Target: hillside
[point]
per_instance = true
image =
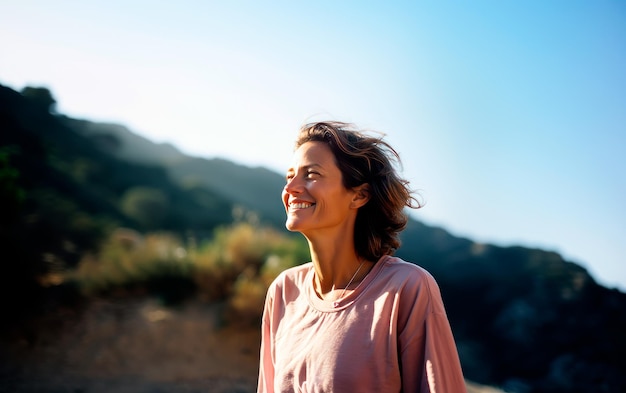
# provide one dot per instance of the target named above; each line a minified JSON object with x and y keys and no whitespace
{"x":524,"y":319}
{"x":255,"y":189}
{"x":61,"y":194}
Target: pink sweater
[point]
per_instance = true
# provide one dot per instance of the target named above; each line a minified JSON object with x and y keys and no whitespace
{"x":389,"y":335}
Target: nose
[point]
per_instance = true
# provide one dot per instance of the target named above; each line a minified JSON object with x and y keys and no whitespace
{"x":293,"y":186}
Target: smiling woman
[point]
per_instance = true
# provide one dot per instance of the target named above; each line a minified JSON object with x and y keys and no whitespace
{"x":355,"y":306}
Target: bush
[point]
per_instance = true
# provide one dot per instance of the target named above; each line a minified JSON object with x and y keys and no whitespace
{"x":128,"y":261}
{"x":236,"y":266}
{"x":259,"y":252}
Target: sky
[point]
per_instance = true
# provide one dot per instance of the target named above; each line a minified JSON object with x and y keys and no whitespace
{"x":510,"y":117}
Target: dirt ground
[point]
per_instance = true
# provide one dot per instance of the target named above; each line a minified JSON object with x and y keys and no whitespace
{"x":135,"y":346}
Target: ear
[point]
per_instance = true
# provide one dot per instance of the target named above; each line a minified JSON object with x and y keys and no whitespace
{"x":361,"y":195}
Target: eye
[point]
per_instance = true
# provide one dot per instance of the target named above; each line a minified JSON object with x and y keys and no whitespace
{"x":312,"y":174}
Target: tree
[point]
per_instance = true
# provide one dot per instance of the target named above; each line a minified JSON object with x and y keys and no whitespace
{"x":41,"y":97}
{"x":148,"y":206}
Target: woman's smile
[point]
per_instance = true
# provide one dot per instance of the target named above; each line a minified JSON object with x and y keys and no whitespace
{"x":300,"y":205}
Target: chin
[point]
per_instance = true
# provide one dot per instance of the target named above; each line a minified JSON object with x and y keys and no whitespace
{"x":293,"y":225}
{"x":289,"y":225}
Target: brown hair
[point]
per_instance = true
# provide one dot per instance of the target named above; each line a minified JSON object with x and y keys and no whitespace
{"x":367,"y":159}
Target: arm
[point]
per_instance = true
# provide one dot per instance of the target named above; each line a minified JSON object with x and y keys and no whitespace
{"x":266,"y":363}
{"x":428,"y":356}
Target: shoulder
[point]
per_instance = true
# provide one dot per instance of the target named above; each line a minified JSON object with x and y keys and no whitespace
{"x":412,"y":281}
{"x":296,"y":272}
{"x":294,"y":276}
{"x":289,"y":284}
{"x":395,"y":267}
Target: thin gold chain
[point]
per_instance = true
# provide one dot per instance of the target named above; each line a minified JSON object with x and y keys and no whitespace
{"x":350,"y":282}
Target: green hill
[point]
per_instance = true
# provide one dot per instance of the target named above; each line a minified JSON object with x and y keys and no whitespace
{"x":61,"y":194}
{"x":256,"y":190}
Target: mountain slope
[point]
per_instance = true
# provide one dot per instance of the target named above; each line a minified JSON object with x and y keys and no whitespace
{"x":525,"y":319}
{"x":255,"y":189}
{"x":61,"y":194}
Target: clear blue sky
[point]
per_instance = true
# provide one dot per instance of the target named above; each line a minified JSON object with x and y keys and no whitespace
{"x":510,"y":116}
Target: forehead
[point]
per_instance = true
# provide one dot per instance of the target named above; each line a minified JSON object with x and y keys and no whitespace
{"x":313,"y":154}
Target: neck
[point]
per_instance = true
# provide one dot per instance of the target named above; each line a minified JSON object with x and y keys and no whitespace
{"x":336,"y":267}
{"x":335,"y":258}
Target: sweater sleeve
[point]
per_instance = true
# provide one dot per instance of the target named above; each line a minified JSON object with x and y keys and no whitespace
{"x":266,"y":363}
{"x":428,"y":355}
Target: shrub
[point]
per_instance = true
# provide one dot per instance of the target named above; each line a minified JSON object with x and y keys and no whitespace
{"x":156,"y":262}
{"x":236,"y":265}
{"x":239,"y":248}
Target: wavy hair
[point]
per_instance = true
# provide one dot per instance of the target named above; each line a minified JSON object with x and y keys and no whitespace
{"x":362,"y":158}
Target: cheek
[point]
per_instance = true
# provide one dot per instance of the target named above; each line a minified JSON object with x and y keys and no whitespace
{"x":284,"y":196}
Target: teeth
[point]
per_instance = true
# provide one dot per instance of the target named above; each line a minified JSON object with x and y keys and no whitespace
{"x":301,"y":205}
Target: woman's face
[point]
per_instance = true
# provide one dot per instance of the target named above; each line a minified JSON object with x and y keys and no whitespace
{"x":314,"y":197}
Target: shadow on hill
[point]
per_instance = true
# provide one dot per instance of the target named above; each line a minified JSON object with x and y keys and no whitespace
{"x":525,"y":319}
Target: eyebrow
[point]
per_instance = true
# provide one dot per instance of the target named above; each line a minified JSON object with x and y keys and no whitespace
{"x":305,"y":167}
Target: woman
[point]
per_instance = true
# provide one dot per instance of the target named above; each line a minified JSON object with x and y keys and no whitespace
{"x":355,"y":318}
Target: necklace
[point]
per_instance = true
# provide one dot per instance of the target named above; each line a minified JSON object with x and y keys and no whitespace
{"x":336,"y":301}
